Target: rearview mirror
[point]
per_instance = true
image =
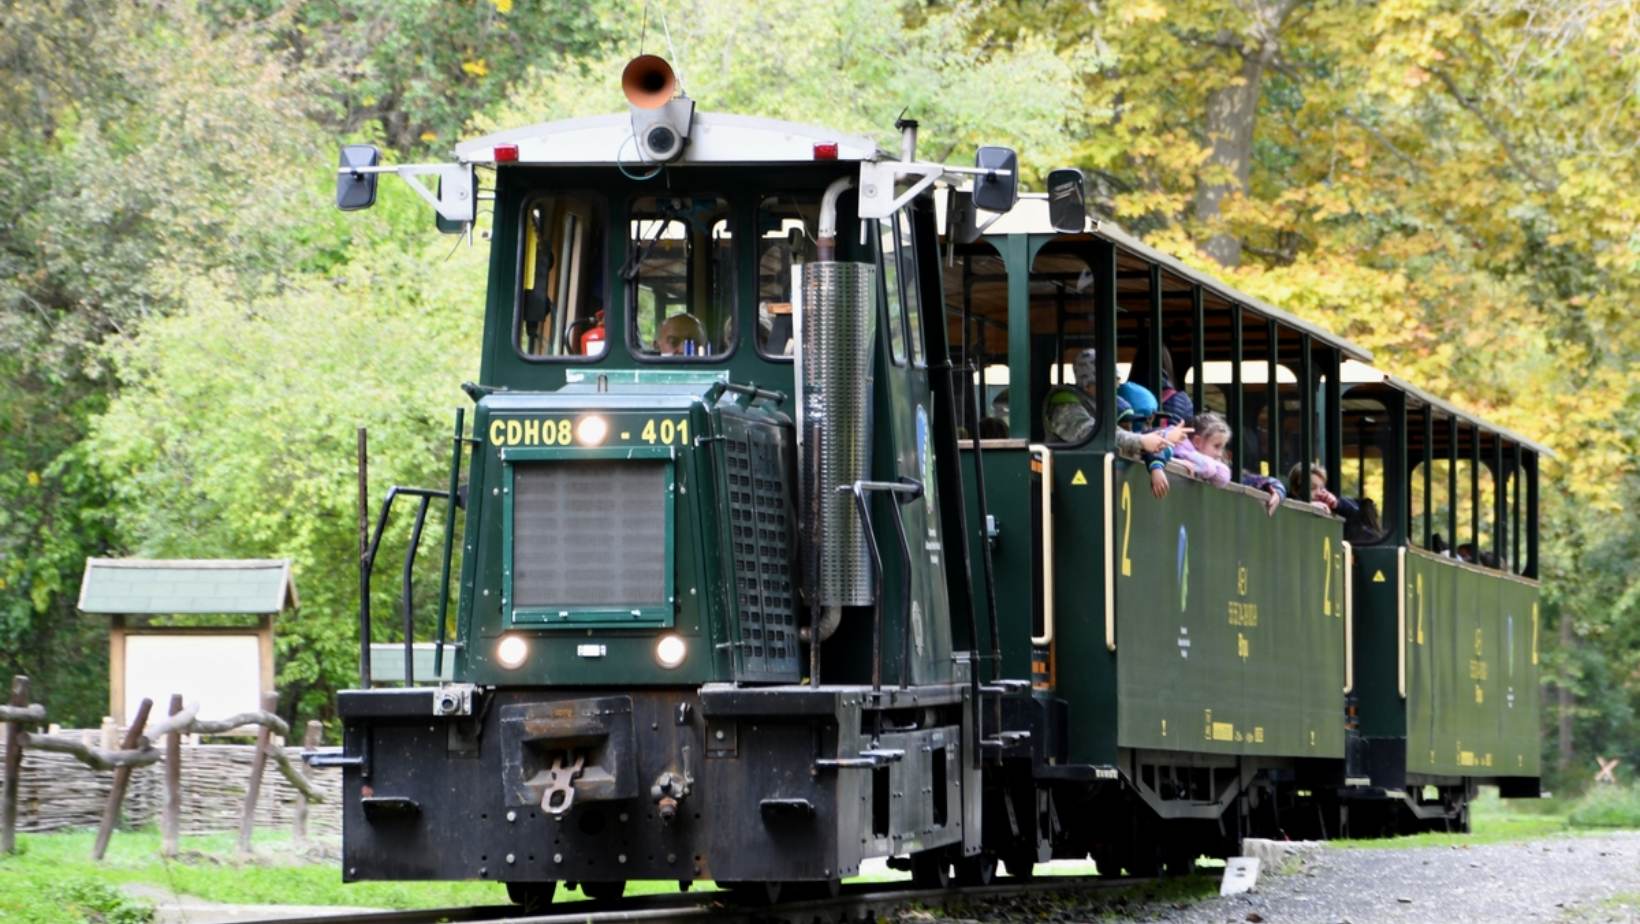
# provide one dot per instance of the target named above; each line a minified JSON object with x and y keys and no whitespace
{"x":1067,"y":201}
{"x":997,"y":189}
{"x":356,"y":190}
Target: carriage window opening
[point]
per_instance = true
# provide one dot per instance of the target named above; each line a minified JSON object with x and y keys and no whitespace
{"x":562,"y":291}
{"x":909,"y":280}
{"x":680,"y":277}
{"x":891,"y":283}
{"x":786,"y":228}
{"x":976,"y":330}
{"x":1064,"y":362}
{"x":1365,"y":444}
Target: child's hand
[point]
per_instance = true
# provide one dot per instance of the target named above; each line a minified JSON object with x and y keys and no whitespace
{"x":1321,"y":506}
{"x":1177,"y":435}
{"x":1158,"y":482}
{"x":1153,"y":441}
{"x":1325,"y":498}
{"x":1189,"y":466}
{"x":1271,"y":503}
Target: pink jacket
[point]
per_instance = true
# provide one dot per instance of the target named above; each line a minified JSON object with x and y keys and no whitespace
{"x":1210,"y":470}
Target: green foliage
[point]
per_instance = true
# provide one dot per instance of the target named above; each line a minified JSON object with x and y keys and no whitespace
{"x":416,"y":70}
{"x":189,"y":334}
{"x":234,"y":431}
{"x":1607,"y":807}
{"x":852,"y":66}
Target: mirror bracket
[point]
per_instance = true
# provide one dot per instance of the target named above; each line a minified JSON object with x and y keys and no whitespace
{"x":877,"y":179}
{"x":453,"y":199}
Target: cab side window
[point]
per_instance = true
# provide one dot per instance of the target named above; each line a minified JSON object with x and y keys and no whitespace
{"x":561,"y":285}
{"x":786,"y":229}
{"x":888,"y":237}
{"x":909,"y":280}
{"x":679,"y":276}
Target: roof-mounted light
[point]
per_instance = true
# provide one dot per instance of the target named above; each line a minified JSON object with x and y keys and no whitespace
{"x":825,"y":150}
{"x":506,"y":153}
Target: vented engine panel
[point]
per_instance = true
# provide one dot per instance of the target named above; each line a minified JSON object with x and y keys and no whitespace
{"x":756,"y":471}
{"x":589,"y":534}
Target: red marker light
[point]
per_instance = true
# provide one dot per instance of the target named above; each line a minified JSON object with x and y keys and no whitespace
{"x":825,"y":150}
{"x":506,"y":153}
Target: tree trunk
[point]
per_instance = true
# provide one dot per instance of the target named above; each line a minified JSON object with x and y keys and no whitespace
{"x":1563,"y":695}
{"x":1232,"y":112}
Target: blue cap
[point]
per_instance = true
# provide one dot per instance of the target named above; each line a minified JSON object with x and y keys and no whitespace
{"x":1139,"y":398}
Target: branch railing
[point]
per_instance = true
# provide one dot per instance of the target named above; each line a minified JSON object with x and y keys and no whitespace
{"x":138,"y":750}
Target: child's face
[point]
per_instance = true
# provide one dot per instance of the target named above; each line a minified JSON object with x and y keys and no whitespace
{"x":1318,"y":483}
{"x":1212,"y":446}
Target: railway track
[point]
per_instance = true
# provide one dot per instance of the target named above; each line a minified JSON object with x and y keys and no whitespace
{"x":862,"y":902}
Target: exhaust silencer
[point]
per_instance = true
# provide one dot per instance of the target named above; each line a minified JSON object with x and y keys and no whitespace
{"x":834,"y":382}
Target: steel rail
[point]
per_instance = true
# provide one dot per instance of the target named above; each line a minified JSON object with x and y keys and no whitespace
{"x":861,"y":902}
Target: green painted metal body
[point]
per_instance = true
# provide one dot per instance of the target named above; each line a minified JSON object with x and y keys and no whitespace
{"x":1229,"y":623}
{"x":1470,"y":707}
{"x":633,"y":390}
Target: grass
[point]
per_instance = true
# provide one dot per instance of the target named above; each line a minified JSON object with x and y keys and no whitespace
{"x":53,"y":880}
{"x":1491,"y":820}
{"x":1606,"y":807}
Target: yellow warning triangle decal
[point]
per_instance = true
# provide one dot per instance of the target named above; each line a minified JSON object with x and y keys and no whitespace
{"x":1378,"y":577}
{"x":1079,"y":478}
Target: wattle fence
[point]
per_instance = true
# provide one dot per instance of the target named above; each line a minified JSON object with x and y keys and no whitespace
{"x":55,"y":780}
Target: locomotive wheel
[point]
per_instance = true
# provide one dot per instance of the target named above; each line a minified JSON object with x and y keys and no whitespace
{"x":1108,"y":861}
{"x":812,"y":889}
{"x":1180,"y":862}
{"x":533,"y":897}
{"x":754,"y":893}
{"x":604,"y":891}
{"x":931,"y":869}
{"x":977,"y":870}
{"x":1020,"y":864}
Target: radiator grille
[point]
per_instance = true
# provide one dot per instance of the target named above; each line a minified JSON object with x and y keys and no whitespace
{"x":589,"y":533}
{"x":760,"y":526}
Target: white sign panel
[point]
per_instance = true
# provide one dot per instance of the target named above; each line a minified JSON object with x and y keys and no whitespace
{"x":220,"y":672}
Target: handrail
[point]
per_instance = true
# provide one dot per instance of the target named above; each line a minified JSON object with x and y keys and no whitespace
{"x":452,"y":501}
{"x":1110,"y":553}
{"x":1046,"y":638}
{"x":367,"y":567}
{"x":1401,"y":621}
{"x":904,"y":490}
{"x":1349,"y":616}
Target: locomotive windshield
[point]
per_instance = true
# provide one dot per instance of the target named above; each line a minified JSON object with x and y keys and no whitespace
{"x":680,"y":278}
{"x":561,"y":281}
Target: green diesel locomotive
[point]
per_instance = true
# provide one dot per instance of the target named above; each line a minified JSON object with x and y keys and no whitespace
{"x":753,"y":587}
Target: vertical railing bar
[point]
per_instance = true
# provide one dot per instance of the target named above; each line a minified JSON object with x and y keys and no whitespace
{"x":450,"y":504}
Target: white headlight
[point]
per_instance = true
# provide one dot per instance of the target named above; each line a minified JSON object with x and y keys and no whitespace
{"x":669,"y":651}
{"x":511,"y":651}
{"x":591,"y":430}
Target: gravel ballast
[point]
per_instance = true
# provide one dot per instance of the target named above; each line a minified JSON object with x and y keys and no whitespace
{"x":1560,"y":879}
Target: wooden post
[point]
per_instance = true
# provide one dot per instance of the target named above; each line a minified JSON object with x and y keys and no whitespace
{"x":247,"y":820}
{"x":170,"y":819}
{"x":122,"y":776}
{"x":14,"y":767}
{"x":310,"y":740}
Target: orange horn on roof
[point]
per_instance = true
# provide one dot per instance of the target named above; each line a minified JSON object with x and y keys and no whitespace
{"x":648,"y":81}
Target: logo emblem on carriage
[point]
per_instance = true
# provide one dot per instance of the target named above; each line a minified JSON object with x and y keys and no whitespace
{"x":1183,"y":567}
{"x":925,"y":459}
{"x":1184,"y":642}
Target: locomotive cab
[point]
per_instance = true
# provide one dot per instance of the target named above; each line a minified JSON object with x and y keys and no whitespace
{"x":706,"y":628}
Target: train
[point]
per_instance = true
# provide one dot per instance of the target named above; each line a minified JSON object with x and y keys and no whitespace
{"x":770,"y":558}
